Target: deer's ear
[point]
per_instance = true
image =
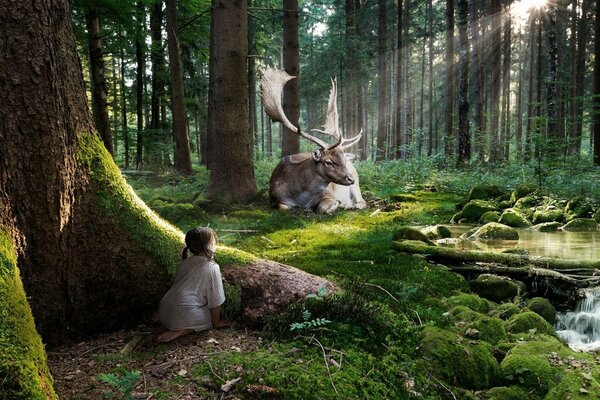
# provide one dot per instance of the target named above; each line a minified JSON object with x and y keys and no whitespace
{"x":317,"y":155}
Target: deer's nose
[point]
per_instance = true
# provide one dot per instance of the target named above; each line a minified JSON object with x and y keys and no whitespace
{"x":350,"y":179}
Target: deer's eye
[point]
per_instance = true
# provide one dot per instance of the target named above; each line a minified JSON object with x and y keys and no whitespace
{"x":329,"y":163}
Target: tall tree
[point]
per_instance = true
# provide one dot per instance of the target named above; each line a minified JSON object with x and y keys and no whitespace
{"x":464,"y":139}
{"x":382,"y":74}
{"x":476,"y":81}
{"x":431,"y":143}
{"x":140,"y":60}
{"x":596,"y":97}
{"x":291,"y":63}
{"x":496,"y":66}
{"x":552,"y":82}
{"x":577,"y":109}
{"x":232,"y":171}
{"x":399,"y":82}
{"x":98,"y":79}
{"x":450,"y":75}
{"x":506,"y":61}
{"x":158,"y":78}
{"x":182,"y":159}
{"x":253,"y":122}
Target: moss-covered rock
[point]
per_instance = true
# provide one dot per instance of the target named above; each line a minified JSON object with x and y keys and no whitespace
{"x":581,"y":225}
{"x":521,"y":191}
{"x":527,"y":321}
{"x":24,"y":374}
{"x":505,"y":393}
{"x":410,"y":233}
{"x":489,"y":329}
{"x":532,"y":372}
{"x":483,"y":192}
{"x":496,"y":288}
{"x":490,"y":216}
{"x":576,"y":385}
{"x":505,"y":310}
{"x":528,"y":202}
{"x":544,"y":308}
{"x":495,"y":231}
{"x":474,"y":209}
{"x":541,"y":216}
{"x":458,"y":361}
{"x":469,"y":300}
{"x":456,"y":218}
{"x":578,"y":207}
{"x":515,"y":218}
{"x":546,"y":227}
{"x":437,"y":232}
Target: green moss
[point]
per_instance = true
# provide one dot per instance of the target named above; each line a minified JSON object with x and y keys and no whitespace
{"x":527,"y":321}
{"x":495,"y":231}
{"x":541,"y":216}
{"x":505,"y":311}
{"x":471,"y":301}
{"x":578,"y":207}
{"x":515,"y":218}
{"x":410,"y":233}
{"x":474,"y":209}
{"x":576,"y":385}
{"x":403,"y":198}
{"x":483,"y":192}
{"x":490,"y":329}
{"x":490,"y":216}
{"x":521,"y":191}
{"x":437,"y":232}
{"x":526,"y":203}
{"x":496,"y":288}
{"x":547,"y":227}
{"x":581,"y":225}
{"x":532,"y":372}
{"x":24,"y":374}
{"x":232,"y":307}
{"x":505,"y":393}
{"x":456,"y":360}
{"x":544,"y":308}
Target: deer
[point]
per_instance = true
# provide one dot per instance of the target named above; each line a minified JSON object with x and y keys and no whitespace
{"x":309,"y":180}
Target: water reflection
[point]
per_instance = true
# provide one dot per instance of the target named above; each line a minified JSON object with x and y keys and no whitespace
{"x":565,"y":245}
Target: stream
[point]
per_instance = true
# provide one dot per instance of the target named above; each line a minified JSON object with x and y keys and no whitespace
{"x":579,"y":328}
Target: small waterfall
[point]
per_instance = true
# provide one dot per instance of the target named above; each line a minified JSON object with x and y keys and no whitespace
{"x":581,"y":328}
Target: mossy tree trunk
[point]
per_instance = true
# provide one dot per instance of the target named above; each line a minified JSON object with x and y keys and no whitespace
{"x":91,"y":255}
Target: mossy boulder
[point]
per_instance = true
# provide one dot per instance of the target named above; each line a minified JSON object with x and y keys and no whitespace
{"x":437,"y":232}
{"x":544,"y":308}
{"x":546,"y":227}
{"x":505,"y":393}
{"x":489,"y":329}
{"x":505,"y":310}
{"x":474,"y":209}
{"x":410,"y":233}
{"x":578,"y":207}
{"x":458,"y":361}
{"x":495,"y":231}
{"x":514,"y":218}
{"x":528,"y":202}
{"x":528,"y":321}
{"x":581,"y":225}
{"x":490,"y":216}
{"x":521,"y":191}
{"x":469,"y":300}
{"x":575,"y":385}
{"x":496,"y":288}
{"x":483,"y":192}
{"x":541,"y":216}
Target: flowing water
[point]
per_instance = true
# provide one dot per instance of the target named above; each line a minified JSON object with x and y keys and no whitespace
{"x":565,"y":245}
{"x":581,"y":328}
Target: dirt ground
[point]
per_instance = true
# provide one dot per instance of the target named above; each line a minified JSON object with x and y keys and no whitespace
{"x":164,"y":367}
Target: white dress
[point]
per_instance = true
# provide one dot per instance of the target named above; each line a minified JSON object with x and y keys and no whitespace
{"x":197,"y":288}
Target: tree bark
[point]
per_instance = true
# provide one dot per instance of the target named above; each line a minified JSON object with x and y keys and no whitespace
{"x":291,"y":64}
{"x":496,"y":66}
{"x":98,"y":80}
{"x":596,"y":97}
{"x":152,"y":145}
{"x":519,"y":110}
{"x":551,"y":84}
{"x":431,"y":142}
{"x":476,"y":82}
{"x":449,"y":143}
{"x":506,"y":61}
{"x":253,"y":121}
{"x":181,"y":157}
{"x":577,"y":117}
{"x":382,"y":75}
{"x":91,"y":257}
{"x":140,"y":80}
{"x":232,"y":172}
{"x":464,"y":138}
{"x":124,"y":111}
{"x":399,"y":84}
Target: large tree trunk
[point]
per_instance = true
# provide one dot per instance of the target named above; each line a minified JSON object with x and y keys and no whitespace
{"x":291,"y":64}
{"x":431,"y":142}
{"x":140,"y":60}
{"x":596,"y":97}
{"x":519,"y":110}
{"x":551,"y":84}
{"x":232,"y":172}
{"x":399,"y":83}
{"x":124,"y":111}
{"x":382,"y":72}
{"x":253,"y":121}
{"x":496,"y":66}
{"x":98,"y":80}
{"x":92,"y":257}
{"x":181,"y":157}
{"x":477,"y":82}
{"x":506,"y":60}
{"x":531,"y":77}
{"x":449,"y":143}
{"x":464,"y":139}
{"x":577,"y":110}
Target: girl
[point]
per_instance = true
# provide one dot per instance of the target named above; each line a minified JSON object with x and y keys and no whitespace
{"x":194,"y":301}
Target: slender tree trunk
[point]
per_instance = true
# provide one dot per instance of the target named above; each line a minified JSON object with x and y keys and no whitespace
{"x":422,"y":99}
{"x":551,"y":83}
{"x":430,"y":145}
{"x":182,"y":159}
{"x":596,"y":96}
{"x":582,"y":40}
{"x":232,"y":173}
{"x":449,"y":144}
{"x":291,"y":64}
{"x":140,"y":60}
{"x":506,"y":61}
{"x":476,"y":82}
{"x":519,"y":110}
{"x":124,"y":112}
{"x":382,"y":75}
{"x":407,"y":123}
{"x":158,"y":85}
{"x":98,"y":80}
{"x":496,"y":66}
{"x":464,"y":140}
{"x":115,"y":106}
{"x":531,"y":89}
{"x":399,"y":74}
{"x":253,"y":121}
